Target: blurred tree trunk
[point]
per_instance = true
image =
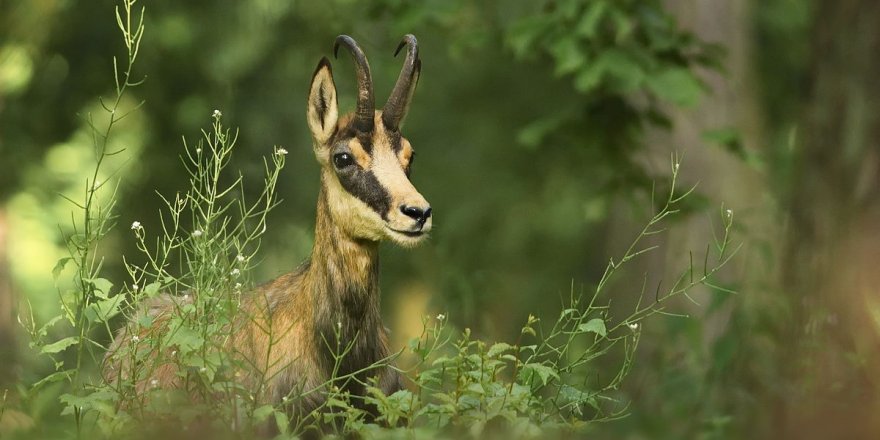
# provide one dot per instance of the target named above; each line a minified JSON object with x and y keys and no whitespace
{"x":7,"y":324}
{"x":830,"y":261}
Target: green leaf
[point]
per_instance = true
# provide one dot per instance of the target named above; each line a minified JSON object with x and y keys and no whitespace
{"x":59,"y":267}
{"x":524,"y":34}
{"x":623,"y":69}
{"x":59,"y":346}
{"x":54,"y":377}
{"x":262,"y":413}
{"x":44,"y":330}
{"x":88,"y":401}
{"x":573,"y":395}
{"x":595,"y":325}
{"x":543,"y":371}
{"x":145,"y":321}
{"x":498,"y":348}
{"x":104,"y":309}
{"x":590,"y":78}
{"x":589,"y":24}
{"x":569,"y":57}
{"x":281,"y":421}
{"x":476,"y":388}
{"x":152,"y":289}
{"x":102,"y":287}
{"x":676,"y":85}
{"x":186,"y":339}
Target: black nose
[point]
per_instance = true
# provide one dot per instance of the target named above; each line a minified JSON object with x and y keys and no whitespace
{"x":418,"y":214}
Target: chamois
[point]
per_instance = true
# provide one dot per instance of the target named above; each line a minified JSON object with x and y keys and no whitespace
{"x":365,"y":197}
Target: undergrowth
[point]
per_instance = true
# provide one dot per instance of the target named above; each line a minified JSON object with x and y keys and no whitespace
{"x":554,"y":378}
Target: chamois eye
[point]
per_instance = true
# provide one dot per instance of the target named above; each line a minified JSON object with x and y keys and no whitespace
{"x":342,"y":160}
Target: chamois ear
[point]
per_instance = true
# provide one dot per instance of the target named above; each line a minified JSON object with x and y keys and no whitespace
{"x":323,"y":110}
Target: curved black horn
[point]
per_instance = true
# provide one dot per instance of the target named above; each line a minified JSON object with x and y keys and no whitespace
{"x":365,"y":103}
{"x":396,"y":107}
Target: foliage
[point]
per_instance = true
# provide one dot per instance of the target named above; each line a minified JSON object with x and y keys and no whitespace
{"x":624,"y":61}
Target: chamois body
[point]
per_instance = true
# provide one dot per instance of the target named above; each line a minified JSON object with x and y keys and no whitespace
{"x":287,"y":329}
{"x":335,"y":292}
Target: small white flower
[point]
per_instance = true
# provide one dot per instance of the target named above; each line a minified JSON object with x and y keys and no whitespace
{"x":729,"y":212}
{"x":217,"y":114}
{"x":634,"y":326}
{"x":154,"y":383}
{"x":676,"y":167}
{"x":135,"y":339}
{"x":235,"y":272}
{"x":238,"y":285}
{"x":280,"y":152}
{"x":441,"y":317}
{"x":199,"y":150}
{"x":134,"y":287}
{"x":240,"y":258}
{"x":197,"y":233}
{"x":284,"y":399}
{"x":339,"y":325}
{"x":186,"y":297}
{"x":136,"y":225}
{"x":173,"y":352}
{"x":202,"y":370}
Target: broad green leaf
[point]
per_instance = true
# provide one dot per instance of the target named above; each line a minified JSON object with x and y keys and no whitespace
{"x":543,"y":371}
{"x":102,"y":287}
{"x":589,"y":23}
{"x":54,"y":377}
{"x":589,"y":78}
{"x":88,"y":401}
{"x":498,"y":348}
{"x":263,"y":412}
{"x":104,"y":309}
{"x":152,"y":289}
{"x":523,"y":34}
{"x":476,"y":388}
{"x":569,"y":57}
{"x":59,"y":346}
{"x":186,"y":339}
{"x":281,"y":421}
{"x":676,"y":85}
{"x":573,"y":395}
{"x":623,"y":69}
{"x":145,"y":321}
{"x":594,"y":325}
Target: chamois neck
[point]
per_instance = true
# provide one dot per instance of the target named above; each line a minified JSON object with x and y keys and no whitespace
{"x":344,"y":276}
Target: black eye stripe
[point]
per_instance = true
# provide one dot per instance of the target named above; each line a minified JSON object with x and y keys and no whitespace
{"x":364,"y":185}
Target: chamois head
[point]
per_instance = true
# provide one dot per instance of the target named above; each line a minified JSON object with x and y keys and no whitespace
{"x":365,"y":161}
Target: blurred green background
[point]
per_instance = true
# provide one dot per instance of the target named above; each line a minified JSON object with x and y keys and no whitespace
{"x":541,"y":128}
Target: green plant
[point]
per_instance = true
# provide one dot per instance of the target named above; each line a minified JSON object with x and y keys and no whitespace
{"x":91,"y":303}
{"x":549,"y":380}
{"x":207,"y":239}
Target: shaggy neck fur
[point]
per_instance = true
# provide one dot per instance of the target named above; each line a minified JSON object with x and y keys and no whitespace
{"x":343,"y":281}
